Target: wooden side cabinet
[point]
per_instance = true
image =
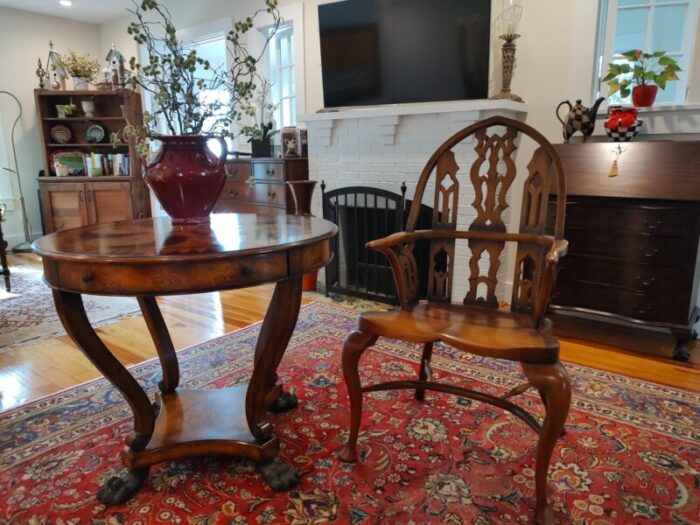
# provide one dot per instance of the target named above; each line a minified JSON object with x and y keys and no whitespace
{"x":633,"y":240}
{"x":259,"y":185}
{"x":68,"y":204}
{"x":80,"y":199}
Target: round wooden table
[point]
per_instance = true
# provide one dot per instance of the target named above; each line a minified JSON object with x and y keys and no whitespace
{"x":150,"y":257}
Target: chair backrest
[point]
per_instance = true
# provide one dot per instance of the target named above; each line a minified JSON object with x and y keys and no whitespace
{"x":491,"y":174}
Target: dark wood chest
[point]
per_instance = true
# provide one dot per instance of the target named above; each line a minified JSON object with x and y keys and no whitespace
{"x":259,"y":185}
{"x":633,"y":257}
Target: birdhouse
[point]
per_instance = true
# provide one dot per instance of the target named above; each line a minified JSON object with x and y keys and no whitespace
{"x":56,"y":73}
{"x":115,"y":72}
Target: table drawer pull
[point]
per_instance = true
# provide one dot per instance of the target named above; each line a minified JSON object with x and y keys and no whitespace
{"x":247,"y":271}
{"x":88,"y":277}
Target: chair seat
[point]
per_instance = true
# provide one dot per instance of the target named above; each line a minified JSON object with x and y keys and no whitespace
{"x":481,"y":331}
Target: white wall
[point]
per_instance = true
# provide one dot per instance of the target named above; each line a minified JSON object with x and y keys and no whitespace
{"x":24,"y":38}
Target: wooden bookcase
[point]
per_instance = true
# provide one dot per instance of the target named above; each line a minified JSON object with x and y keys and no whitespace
{"x":72,"y":201}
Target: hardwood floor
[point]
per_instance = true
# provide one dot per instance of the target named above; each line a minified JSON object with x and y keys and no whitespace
{"x":50,"y":365}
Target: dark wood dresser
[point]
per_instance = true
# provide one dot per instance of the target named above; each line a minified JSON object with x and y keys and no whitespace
{"x":259,"y":185}
{"x":633,"y":257}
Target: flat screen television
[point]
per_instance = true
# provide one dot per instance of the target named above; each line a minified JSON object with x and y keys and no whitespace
{"x":398,"y":51}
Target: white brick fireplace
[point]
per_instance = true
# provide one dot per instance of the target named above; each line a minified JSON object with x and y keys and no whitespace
{"x":382,"y":146}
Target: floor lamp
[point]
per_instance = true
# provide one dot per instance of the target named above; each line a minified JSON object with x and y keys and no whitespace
{"x":24,"y":246}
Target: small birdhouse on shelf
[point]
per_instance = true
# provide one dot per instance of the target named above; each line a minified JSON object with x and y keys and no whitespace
{"x":54,"y":69}
{"x":115,"y":72}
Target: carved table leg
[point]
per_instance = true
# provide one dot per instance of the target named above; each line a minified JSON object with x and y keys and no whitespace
{"x":164,"y":344}
{"x":72,"y":314}
{"x":276,"y":330}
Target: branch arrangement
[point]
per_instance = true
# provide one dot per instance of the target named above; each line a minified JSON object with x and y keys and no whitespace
{"x":178,"y":79}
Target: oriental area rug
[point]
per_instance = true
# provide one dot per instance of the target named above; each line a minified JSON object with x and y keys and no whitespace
{"x":631,"y":452}
{"x":27,"y":311}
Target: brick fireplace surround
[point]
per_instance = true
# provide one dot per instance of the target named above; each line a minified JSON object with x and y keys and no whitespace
{"x":382,"y":146}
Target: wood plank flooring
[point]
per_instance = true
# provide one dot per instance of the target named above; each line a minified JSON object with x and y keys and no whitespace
{"x":50,"y":365}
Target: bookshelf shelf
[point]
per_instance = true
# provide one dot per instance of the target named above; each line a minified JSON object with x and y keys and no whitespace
{"x":80,"y":199}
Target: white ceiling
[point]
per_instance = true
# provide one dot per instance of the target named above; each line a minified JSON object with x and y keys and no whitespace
{"x":93,"y":11}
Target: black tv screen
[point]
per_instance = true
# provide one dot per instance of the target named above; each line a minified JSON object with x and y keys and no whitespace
{"x":396,"y":51}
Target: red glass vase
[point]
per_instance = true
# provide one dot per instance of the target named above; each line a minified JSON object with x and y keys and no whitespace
{"x":186,"y":177}
{"x":644,"y":96}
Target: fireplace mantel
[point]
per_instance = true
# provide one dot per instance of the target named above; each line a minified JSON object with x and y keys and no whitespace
{"x":419,"y":108}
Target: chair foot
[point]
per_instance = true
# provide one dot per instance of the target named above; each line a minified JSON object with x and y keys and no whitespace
{"x":553,"y":384}
{"x":544,"y":517}
{"x":355,"y":344}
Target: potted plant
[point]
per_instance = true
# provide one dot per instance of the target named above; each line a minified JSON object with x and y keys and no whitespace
{"x":259,"y":110}
{"x":82,"y":68}
{"x":647,"y":72}
{"x":185,"y":175}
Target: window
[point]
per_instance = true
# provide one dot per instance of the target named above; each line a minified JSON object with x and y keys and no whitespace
{"x":649,"y":25}
{"x":282,"y":75}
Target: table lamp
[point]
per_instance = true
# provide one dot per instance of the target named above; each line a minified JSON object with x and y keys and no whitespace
{"x":509,"y":20}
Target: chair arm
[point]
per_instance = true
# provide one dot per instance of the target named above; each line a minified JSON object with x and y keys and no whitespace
{"x":557,"y":250}
{"x":405,"y":270}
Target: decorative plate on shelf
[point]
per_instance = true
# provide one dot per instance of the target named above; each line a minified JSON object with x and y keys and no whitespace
{"x":94,"y":133}
{"x":60,"y":134}
{"x":68,"y":163}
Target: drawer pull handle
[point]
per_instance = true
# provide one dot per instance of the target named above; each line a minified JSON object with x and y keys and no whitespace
{"x":651,"y":253}
{"x":251,"y":181}
{"x":88,"y":277}
{"x":271,"y":195}
{"x":233,"y":193}
{"x":247,"y":271}
{"x":270,"y":172}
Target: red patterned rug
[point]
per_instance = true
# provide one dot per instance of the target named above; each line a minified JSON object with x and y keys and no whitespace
{"x":631,"y":453}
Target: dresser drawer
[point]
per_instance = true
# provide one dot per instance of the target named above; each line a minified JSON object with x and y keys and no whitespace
{"x":268,"y":171}
{"x":600,"y":297}
{"x":642,"y":278}
{"x":238,"y":170}
{"x":259,"y":192}
{"x":669,"y":252}
{"x":672,"y":220}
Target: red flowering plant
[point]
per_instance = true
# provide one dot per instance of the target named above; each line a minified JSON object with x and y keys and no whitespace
{"x":641,"y":69}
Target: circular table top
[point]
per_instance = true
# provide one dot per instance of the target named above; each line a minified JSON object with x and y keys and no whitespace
{"x":157,"y":239}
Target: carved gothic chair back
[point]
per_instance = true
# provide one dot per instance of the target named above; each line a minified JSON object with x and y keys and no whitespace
{"x":477,"y":323}
{"x":490,"y":178}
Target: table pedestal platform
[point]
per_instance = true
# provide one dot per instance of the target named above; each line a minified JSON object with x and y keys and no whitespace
{"x":203,"y":422}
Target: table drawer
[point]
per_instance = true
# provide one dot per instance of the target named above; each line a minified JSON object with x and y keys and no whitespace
{"x":238,"y":170}
{"x":268,"y":171}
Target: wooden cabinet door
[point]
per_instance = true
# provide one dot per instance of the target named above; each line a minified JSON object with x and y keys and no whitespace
{"x":108,"y":202}
{"x":64,"y":205}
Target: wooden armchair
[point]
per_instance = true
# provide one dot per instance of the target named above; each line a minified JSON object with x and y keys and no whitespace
{"x":478,"y":325}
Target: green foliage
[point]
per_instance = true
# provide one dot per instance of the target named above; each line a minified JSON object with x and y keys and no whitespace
{"x":173,"y":75}
{"x":81,"y":66}
{"x":645,"y":68}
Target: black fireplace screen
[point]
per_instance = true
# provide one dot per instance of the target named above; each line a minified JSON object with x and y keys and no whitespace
{"x":362,"y":215}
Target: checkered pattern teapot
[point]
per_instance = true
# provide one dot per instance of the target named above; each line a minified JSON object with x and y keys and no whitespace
{"x":579,"y":118}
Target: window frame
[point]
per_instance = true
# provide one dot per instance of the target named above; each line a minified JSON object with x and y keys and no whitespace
{"x":277,"y":70}
{"x":607,"y":24}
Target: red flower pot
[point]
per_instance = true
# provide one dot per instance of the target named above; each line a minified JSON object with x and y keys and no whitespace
{"x":186,"y":177}
{"x":644,"y":96}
